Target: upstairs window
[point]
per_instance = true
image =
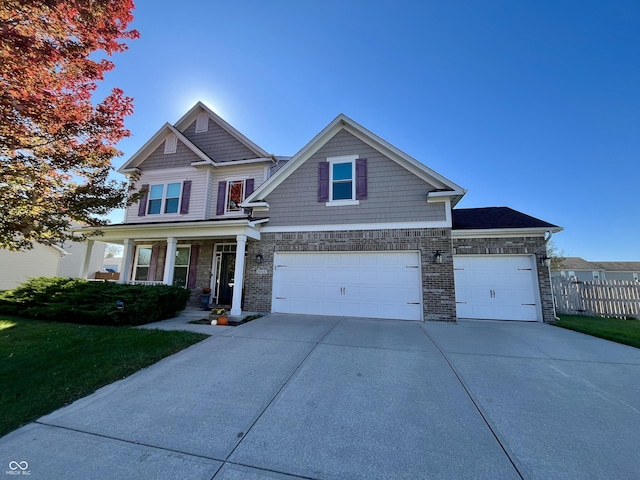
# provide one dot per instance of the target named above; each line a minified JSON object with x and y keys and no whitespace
{"x":235,"y":195}
{"x":164,"y":198}
{"x":342,"y":180}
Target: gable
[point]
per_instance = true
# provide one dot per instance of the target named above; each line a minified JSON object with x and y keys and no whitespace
{"x":183,"y":157}
{"x":219,"y":144}
{"x":394,"y":194}
{"x":443,"y":186}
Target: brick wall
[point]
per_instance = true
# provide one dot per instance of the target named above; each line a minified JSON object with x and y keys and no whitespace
{"x":513,"y":246}
{"x":437,"y":279}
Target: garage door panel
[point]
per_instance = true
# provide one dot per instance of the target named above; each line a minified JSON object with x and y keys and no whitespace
{"x":371,"y":284}
{"x":497,"y":287}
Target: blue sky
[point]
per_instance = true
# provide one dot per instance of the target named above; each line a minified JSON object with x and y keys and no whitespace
{"x":533,"y":105}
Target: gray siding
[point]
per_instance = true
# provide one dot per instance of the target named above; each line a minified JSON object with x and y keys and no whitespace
{"x":183,"y":157}
{"x":394,"y":194}
{"x":218,"y":143}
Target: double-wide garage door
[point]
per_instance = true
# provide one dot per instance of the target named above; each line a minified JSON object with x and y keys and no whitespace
{"x":497,"y":287}
{"x":372,"y":284}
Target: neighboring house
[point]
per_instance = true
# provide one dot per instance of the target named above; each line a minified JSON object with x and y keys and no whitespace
{"x":348,"y":226}
{"x":586,"y":271}
{"x":45,"y":261}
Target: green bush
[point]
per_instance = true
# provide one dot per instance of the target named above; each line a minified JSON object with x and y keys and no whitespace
{"x":93,"y":303}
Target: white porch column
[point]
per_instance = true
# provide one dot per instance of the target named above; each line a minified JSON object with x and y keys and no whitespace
{"x":127,"y":261}
{"x":238,"y":277}
{"x":87,"y":260}
{"x":170,"y":261}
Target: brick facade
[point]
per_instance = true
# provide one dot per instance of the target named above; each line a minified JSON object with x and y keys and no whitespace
{"x":513,"y":246}
{"x":438,"y":291}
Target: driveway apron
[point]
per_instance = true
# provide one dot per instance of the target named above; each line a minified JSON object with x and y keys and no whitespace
{"x":289,"y":396}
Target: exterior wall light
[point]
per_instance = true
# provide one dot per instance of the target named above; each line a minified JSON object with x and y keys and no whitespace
{"x":545,"y":261}
{"x":259,"y":258}
{"x":437,"y":257}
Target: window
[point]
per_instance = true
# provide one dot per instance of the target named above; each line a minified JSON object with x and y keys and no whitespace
{"x":181,"y":266}
{"x":342,"y":180}
{"x":635,"y":277}
{"x":235,"y":195}
{"x":170,"y":144}
{"x":596,"y":275}
{"x":164,"y":198}
{"x":142,"y":264}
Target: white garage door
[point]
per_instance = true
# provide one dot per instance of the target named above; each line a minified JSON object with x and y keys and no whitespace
{"x":495,"y":287}
{"x":375,"y":284}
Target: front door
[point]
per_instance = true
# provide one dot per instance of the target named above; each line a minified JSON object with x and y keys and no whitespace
{"x":225,"y":278}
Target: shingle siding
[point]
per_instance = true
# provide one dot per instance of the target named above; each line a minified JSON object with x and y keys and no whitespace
{"x":218,"y":144}
{"x":158,"y":160}
{"x":394,"y":194}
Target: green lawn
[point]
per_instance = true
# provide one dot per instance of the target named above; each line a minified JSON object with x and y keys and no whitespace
{"x":45,"y":365}
{"x":621,"y":331}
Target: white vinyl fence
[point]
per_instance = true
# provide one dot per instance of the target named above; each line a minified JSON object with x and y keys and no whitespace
{"x":600,"y":298}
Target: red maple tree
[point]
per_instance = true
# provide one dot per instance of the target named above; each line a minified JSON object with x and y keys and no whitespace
{"x":56,"y":144}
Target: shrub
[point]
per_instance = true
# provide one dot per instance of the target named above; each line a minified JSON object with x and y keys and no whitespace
{"x":80,"y":301}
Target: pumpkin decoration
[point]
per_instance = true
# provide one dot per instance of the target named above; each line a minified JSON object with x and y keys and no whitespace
{"x":223,"y":320}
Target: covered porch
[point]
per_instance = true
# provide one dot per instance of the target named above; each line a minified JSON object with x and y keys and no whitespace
{"x":194,"y":255}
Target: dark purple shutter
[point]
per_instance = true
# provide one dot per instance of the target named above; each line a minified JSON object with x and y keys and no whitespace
{"x":248,"y":190}
{"x":142,"y":206}
{"x":193,"y":266}
{"x":361,"y":179}
{"x":249,"y":187}
{"x":186,"y":195}
{"x":222,"y":193}
{"x":323,"y":182}
{"x":153,"y":263}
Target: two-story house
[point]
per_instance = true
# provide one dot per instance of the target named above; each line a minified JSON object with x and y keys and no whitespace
{"x":349,"y":226}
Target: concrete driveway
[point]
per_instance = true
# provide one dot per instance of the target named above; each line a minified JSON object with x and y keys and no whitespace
{"x":315,"y":397}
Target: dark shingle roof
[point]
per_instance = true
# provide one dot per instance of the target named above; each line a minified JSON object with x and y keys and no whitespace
{"x":495,"y":217}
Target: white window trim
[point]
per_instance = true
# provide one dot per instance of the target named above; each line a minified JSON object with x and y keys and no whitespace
{"x":343,"y":159}
{"x":135,"y":262}
{"x":170,"y":144}
{"x":164,"y":198}
{"x":202,"y":123}
{"x":232,"y":213}
{"x":175,"y":265}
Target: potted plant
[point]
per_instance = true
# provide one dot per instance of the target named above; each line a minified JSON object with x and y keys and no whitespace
{"x":218,"y":316}
{"x":205,"y":297}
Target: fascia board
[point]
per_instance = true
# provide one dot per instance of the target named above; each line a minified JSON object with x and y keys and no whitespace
{"x":504,"y":232}
{"x":340,"y":122}
{"x":414,"y":166}
{"x":144,"y":151}
{"x":233,"y":163}
{"x":153,"y":143}
{"x":296,"y":161}
{"x":141,"y":231}
{"x":191,"y":115}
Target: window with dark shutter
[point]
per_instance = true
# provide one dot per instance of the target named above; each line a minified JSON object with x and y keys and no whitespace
{"x":323,"y":182}
{"x":193,"y":266}
{"x":186,"y":195}
{"x":361,"y":179}
{"x":142,"y":206}
{"x":222,"y":191}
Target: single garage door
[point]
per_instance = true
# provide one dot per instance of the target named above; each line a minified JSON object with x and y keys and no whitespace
{"x":372,"y":284}
{"x":497,"y":287}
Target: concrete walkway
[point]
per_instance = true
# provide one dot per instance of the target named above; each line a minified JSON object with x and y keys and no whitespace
{"x":290,"y":396}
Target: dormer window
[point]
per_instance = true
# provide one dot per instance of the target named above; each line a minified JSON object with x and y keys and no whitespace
{"x":170,"y":144}
{"x":202,"y":123}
